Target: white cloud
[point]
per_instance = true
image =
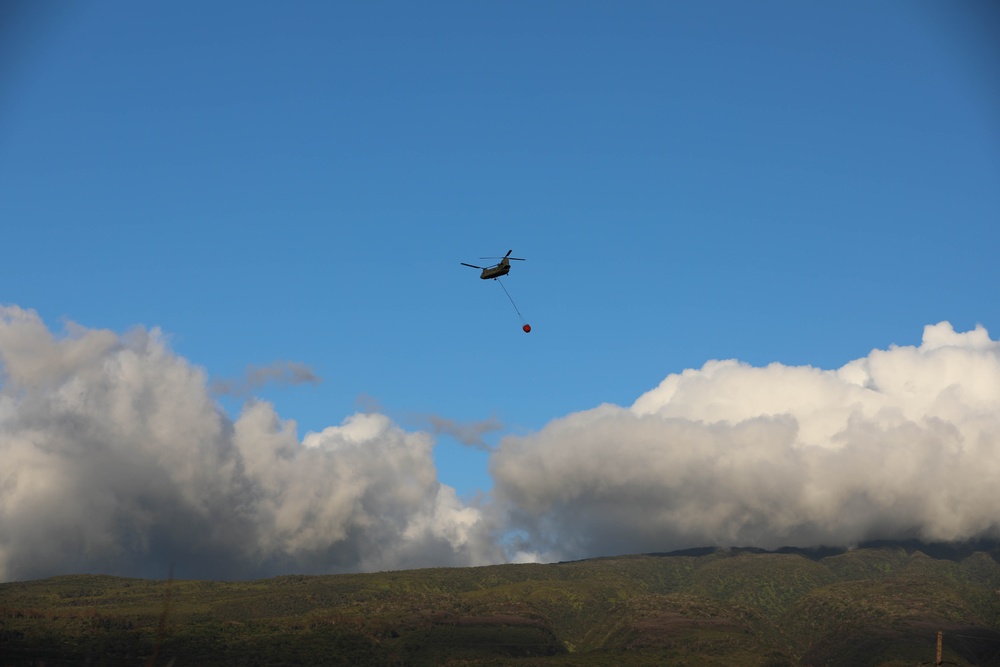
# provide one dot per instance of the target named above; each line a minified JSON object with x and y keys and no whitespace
{"x":115,"y":458}
{"x":902,"y":443}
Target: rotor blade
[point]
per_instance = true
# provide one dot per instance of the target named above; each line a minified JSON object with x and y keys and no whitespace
{"x":520,"y":259}
{"x":508,"y":253}
{"x":470,"y":265}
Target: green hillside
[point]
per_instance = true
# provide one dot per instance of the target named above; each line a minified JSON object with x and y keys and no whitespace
{"x":873,"y":606}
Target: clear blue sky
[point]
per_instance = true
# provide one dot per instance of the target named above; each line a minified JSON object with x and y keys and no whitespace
{"x":776,"y":181}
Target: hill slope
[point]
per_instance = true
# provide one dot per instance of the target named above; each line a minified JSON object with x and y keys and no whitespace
{"x":872,"y":606}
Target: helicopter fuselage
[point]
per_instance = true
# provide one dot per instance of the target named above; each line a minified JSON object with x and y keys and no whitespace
{"x":501,"y":269}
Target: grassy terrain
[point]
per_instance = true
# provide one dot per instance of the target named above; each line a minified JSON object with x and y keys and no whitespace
{"x":878,"y":606}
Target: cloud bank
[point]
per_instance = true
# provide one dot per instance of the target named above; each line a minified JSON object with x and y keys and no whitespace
{"x":904,"y":443}
{"x":115,"y":458}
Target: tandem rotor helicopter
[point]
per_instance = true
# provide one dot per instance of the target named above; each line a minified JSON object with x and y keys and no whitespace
{"x":497,"y":270}
{"x":494,"y":271}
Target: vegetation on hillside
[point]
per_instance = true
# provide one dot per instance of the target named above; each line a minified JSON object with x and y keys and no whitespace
{"x":873,"y":606}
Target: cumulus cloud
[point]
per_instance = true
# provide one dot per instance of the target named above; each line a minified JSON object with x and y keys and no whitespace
{"x":902,"y":443}
{"x":116,"y":459}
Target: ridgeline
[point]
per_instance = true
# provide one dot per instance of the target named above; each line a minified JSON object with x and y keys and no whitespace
{"x":882,"y":604}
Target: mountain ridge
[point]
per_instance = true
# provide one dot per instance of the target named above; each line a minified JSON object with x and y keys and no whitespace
{"x":871,"y":605}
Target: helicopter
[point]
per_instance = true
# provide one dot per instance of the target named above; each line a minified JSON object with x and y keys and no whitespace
{"x":495,"y":271}
{"x":501,"y":268}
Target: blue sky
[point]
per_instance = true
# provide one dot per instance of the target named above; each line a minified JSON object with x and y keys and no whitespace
{"x":770,"y":182}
